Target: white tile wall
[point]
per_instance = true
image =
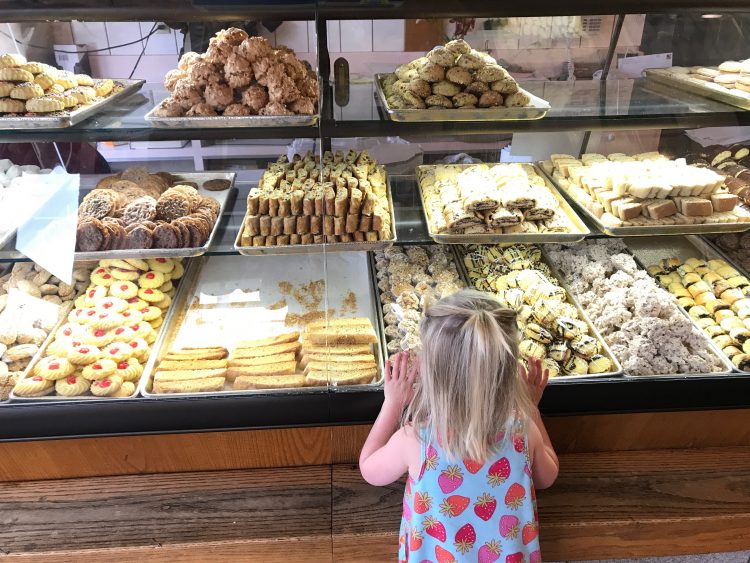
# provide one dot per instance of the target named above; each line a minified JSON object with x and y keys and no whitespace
{"x":91,"y":34}
{"x":160,"y":43}
{"x":388,"y":35}
{"x":293,"y":34}
{"x":124,"y":32}
{"x":62,"y":33}
{"x":356,"y":35}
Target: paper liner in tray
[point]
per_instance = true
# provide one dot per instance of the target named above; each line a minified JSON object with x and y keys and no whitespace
{"x":226,"y":300}
{"x":62,"y":119}
{"x":226,"y":121}
{"x":605,"y":350}
{"x":579,"y":232}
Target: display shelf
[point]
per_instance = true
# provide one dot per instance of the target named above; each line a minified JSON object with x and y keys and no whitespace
{"x":144,"y":416}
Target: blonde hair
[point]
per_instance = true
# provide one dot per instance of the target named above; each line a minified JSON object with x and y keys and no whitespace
{"x":469,"y":387}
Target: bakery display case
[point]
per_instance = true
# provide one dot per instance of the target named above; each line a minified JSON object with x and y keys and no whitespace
{"x":268,"y":203}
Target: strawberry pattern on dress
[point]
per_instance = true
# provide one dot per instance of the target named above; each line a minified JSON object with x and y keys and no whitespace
{"x":472,"y":511}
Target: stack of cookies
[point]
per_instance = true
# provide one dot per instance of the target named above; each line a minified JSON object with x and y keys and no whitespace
{"x":103,"y":347}
{"x":138,"y":210}
{"x":32,"y":87}
{"x":730,"y":76}
{"x":191,"y":370}
{"x":240,"y":76}
{"x":269,"y":363}
{"x":302,"y":202}
{"x":339,"y":352}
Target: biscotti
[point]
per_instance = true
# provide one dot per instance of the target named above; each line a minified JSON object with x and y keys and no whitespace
{"x":268,"y":382}
{"x":190,"y":386}
{"x":183,"y":375}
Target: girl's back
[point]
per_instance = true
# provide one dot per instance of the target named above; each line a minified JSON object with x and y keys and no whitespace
{"x":470,"y":511}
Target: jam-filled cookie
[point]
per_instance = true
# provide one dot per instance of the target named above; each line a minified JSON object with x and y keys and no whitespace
{"x":151,"y":280}
{"x":54,"y":367}
{"x":112,"y":305}
{"x":141,"y":349}
{"x":130,"y":369}
{"x":163,"y":265}
{"x":106,"y":320}
{"x":131,"y":316}
{"x":72,"y":386}
{"x":99,"y":336}
{"x":100,"y":369}
{"x":164,"y":303}
{"x":124,"y":289}
{"x":101,"y":276}
{"x":138,"y":264}
{"x":124,"y":334}
{"x":93,"y":294}
{"x":141,"y":329}
{"x":125,"y":274}
{"x":156,"y":323}
{"x":136,"y":303}
{"x":151,"y":313}
{"x":166,"y":287}
{"x":179,"y":270}
{"x":118,"y":351}
{"x":63,"y":346}
{"x":106,"y":386}
{"x":127,"y":389}
{"x":69,"y":330}
{"x":151,"y":295}
{"x":84,"y":355}
{"x":35,"y":386}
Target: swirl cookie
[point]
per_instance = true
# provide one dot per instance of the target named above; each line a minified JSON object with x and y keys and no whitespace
{"x":72,"y":386}
{"x":84,"y":355}
{"x":131,"y":316}
{"x":112,"y":304}
{"x":69,"y":330}
{"x":15,"y":75}
{"x":141,"y":329}
{"x":106,"y":320}
{"x":141,"y":349}
{"x":124,"y":289}
{"x":124,"y":274}
{"x":99,"y":336}
{"x":151,"y":295}
{"x":106,"y":386}
{"x":129,"y":370}
{"x":27,"y":91}
{"x":8,"y":105}
{"x":127,"y":389}
{"x":63,"y":346}
{"x":53,"y":368}
{"x":124,"y":334}
{"x":100,"y":369}
{"x":35,"y":386}
{"x":118,"y":351}
{"x":94,"y":294}
{"x":151,"y":280}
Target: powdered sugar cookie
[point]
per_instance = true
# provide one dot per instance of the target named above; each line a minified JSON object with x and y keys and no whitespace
{"x":54,"y":367}
{"x":84,"y":355}
{"x":35,"y":386}
{"x":72,"y":386}
{"x":106,"y":386}
{"x":151,"y":280}
{"x":141,"y":349}
{"x":124,"y":289}
{"x":100,"y":369}
{"x":127,"y":389}
{"x":163,"y":265}
{"x":118,"y":351}
{"x":129,"y":370}
{"x":150,"y":295}
{"x":99,"y":336}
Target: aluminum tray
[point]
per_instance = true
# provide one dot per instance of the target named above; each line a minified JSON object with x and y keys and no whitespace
{"x":342,"y":272}
{"x":68,"y":119}
{"x":709,"y":90}
{"x":321,"y":247}
{"x":198,"y":178}
{"x":526,"y":238}
{"x":573,"y":301}
{"x":650,"y":251}
{"x":50,"y":338}
{"x":645,"y":231}
{"x":537,"y":110}
{"x":221,"y":121}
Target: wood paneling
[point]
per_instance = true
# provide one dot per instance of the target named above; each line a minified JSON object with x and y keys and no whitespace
{"x":86,"y":457}
{"x":157,"y":510}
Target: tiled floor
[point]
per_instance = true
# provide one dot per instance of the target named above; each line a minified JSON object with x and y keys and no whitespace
{"x":734,"y":557}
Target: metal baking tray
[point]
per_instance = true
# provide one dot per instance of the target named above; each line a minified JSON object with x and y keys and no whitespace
{"x":222,"y":121}
{"x":513,"y":238}
{"x":198,"y":178}
{"x":605,"y":351}
{"x":321,"y":247}
{"x":222,"y":274}
{"x":650,"y":251}
{"x":537,"y":110}
{"x":381,"y":317}
{"x":51,"y":337}
{"x":63,"y":119}
{"x":703,"y":88}
{"x":645,"y":231}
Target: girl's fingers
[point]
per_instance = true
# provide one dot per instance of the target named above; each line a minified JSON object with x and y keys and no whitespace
{"x":403,"y":360}
{"x":387,"y":371}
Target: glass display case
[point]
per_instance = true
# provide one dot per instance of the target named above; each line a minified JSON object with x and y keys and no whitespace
{"x":261,"y":198}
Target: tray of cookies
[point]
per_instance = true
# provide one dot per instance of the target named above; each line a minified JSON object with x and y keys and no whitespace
{"x":495,"y":203}
{"x":454,"y":82}
{"x":342,"y":203}
{"x":136,"y":214}
{"x":728,"y":83}
{"x":36,"y":95}
{"x":714,"y":292}
{"x":554,"y":328}
{"x":269,"y":326}
{"x":98,"y":351}
{"x":647,"y":194}
{"x":239,"y":81}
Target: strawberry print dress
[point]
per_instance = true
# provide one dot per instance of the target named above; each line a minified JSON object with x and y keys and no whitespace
{"x":471,"y":511}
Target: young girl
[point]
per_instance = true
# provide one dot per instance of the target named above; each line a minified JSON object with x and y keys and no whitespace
{"x":473,"y":442}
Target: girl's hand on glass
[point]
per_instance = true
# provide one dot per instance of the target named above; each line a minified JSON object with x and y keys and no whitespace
{"x":535,"y":377}
{"x":400,"y":378}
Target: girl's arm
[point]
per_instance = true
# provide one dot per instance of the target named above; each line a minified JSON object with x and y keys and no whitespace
{"x":384,"y":456}
{"x":544,"y":463}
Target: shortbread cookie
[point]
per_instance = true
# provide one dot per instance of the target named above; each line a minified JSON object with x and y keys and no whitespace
{"x":44,"y":80}
{"x":103,"y":87}
{"x":131,"y":316}
{"x":139,"y":264}
{"x":106,"y":320}
{"x":164,"y":303}
{"x":151,"y":280}
{"x":127,"y":389}
{"x":136,"y":304}
{"x":124,"y":334}
{"x":163,"y":265}
{"x":151,"y":295}
{"x":94,"y":294}
{"x":124,"y":289}
{"x":166,"y":287}
{"x":100,"y":369}
{"x":179,"y":270}
{"x":27,"y":91}
{"x":101,"y":276}
{"x":141,"y":349}
{"x":69,"y":100}
{"x":84,"y":80}
{"x":53,"y":368}
{"x":129,"y":370}
{"x":67,"y":80}
{"x":117,"y":351}
{"x":35,"y":67}
{"x":111,"y":304}
{"x":10,"y":60}
{"x":9,"y":105}
{"x":20,"y":352}
{"x":35,"y":386}
{"x":6,"y":88}
{"x":106,"y":386}
{"x":16,"y":75}
{"x":84,"y":355}
{"x":99,"y":337}
{"x":70,"y":330}
{"x":72,"y":386}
